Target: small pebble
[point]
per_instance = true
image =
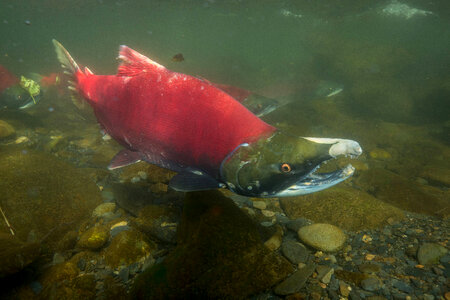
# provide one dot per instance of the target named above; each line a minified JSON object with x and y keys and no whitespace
{"x":58,"y":258}
{"x":81,"y":264}
{"x":268,"y":213}
{"x":36,"y":287}
{"x":259,"y":204}
{"x":344,"y":289}
{"x":124,"y":274}
{"x":371,"y":284}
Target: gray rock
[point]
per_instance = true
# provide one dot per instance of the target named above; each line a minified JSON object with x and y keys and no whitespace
{"x":124,"y":274}
{"x":401,"y":286}
{"x":445,"y":259}
{"x":118,"y":229}
{"x":324,"y":273}
{"x":58,"y":258}
{"x":296,"y":281}
{"x":430,"y":253}
{"x":294,"y":252}
{"x":108,"y":195}
{"x":36,"y":287}
{"x":296,"y":224}
{"x":371,"y":284}
{"x":428,"y":297}
{"x":133,"y":268}
{"x":399,"y":296}
{"x":81,"y":264}
{"x":369,"y":268}
{"x":325,"y":237}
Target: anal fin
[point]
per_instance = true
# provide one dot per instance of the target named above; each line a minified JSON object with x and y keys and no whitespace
{"x":124,"y":158}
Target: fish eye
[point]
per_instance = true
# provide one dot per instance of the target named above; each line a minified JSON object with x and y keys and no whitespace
{"x":285,"y":168}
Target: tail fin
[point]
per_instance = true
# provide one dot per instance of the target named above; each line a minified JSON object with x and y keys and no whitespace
{"x":70,"y":68}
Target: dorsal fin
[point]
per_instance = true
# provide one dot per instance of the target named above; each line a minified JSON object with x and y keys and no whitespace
{"x":133,"y":63}
{"x":87,"y":71}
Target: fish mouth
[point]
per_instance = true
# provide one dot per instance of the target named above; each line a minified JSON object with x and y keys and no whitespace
{"x":314,"y":181}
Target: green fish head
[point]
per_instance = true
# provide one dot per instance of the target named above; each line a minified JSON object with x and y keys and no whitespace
{"x":283,"y":165}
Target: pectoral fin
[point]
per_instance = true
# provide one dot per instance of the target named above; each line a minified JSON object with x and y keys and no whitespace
{"x":188,"y":181}
{"x":124,"y":158}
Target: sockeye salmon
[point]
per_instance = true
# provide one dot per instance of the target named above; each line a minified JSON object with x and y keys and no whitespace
{"x":188,"y":125}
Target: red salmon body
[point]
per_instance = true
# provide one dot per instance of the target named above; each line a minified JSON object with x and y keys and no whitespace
{"x":171,"y":116}
{"x":7,"y":79}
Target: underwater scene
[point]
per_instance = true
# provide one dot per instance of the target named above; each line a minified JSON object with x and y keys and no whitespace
{"x":232,"y":149}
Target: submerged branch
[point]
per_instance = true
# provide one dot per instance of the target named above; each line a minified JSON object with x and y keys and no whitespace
{"x":6,"y":220}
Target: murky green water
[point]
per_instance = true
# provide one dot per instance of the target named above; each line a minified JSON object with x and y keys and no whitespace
{"x":362,"y":70}
{"x":251,"y":44}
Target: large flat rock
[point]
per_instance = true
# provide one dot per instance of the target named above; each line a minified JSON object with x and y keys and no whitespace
{"x":342,"y":206}
{"x":41,"y":193}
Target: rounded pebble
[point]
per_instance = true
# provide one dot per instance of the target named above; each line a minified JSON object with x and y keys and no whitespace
{"x":325,"y":237}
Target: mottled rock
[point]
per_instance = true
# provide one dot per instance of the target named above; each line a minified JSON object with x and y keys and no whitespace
{"x":68,"y":241}
{"x":6,"y":130}
{"x":63,"y":281}
{"x":104,"y":208}
{"x":219,"y":254}
{"x":342,"y":206}
{"x":296,"y":281}
{"x":128,"y":247}
{"x":344,"y":288}
{"x":295,"y":252}
{"x":325,"y":237}
{"x":94,"y":238}
{"x":430,"y":253}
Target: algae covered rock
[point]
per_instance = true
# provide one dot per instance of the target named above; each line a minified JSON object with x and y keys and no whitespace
{"x":325,"y":237}
{"x":430,"y":253}
{"x":42,"y":194}
{"x":439,"y":174}
{"x":6,"y":130}
{"x":94,"y":238}
{"x":128,"y":247}
{"x":15,"y":255}
{"x":342,"y":206}
{"x":65,"y":282}
{"x":219,"y":255}
{"x":401,"y":192}
{"x":104,"y":209}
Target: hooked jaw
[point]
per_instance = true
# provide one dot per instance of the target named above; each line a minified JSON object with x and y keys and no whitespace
{"x":314,"y":181}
